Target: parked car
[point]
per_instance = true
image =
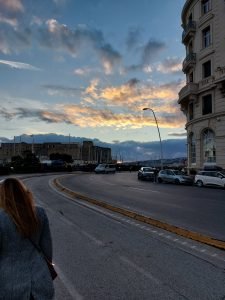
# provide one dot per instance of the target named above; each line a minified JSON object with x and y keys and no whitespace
{"x":211,"y":178}
{"x":146,"y":173}
{"x":105,"y":168}
{"x":174,"y":176}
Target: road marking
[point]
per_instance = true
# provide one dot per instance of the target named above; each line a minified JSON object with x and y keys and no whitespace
{"x":68,"y":284}
{"x":149,"y":190}
{"x":139,"y":269}
{"x":68,"y":222}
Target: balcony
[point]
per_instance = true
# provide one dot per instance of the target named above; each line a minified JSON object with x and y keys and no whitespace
{"x":189,"y":62}
{"x":189,"y":31}
{"x":206,"y":82}
{"x":189,"y":91}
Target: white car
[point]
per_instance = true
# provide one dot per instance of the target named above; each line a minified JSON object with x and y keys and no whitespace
{"x":211,"y":178}
{"x":105,"y":168}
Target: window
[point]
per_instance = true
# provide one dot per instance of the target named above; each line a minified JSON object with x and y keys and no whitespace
{"x":191,"y":111}
{"x":206,"y":69}
{"x":206,"y":6}
{"x":191,"y":76}
{"x":207,"y":104}
{"x":192,"y":148}
{"x":206,"y":37}
{"x":209,"y":146}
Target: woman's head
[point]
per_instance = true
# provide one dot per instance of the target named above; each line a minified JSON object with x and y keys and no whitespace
{"x":18,"y":202}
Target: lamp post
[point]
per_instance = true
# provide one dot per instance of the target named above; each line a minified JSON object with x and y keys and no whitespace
{"x":161,"y":156}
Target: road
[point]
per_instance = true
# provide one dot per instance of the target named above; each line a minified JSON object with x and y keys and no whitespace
{"x":197,"y":209}
{"x":102,"y":255}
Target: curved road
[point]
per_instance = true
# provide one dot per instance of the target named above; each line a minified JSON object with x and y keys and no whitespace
{"x":200,"y":210}
{"x":101,"y":255}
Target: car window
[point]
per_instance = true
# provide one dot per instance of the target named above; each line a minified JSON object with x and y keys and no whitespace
{"x":178,"y":172}
{"x":220,"y":175}
{"x":169,"y":172}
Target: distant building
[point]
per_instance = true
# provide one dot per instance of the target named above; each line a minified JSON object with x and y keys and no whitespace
{"x":202,"y":99}
{"x":84,"y":152}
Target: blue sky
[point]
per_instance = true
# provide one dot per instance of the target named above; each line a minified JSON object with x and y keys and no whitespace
{"x":88,"y":67}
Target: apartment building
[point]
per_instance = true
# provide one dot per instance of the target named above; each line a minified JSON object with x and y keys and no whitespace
{"x":202,"y":99}
{"x":85,"y":152}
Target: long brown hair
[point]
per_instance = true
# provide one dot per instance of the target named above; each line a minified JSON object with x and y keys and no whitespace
{"x":18,"y":202}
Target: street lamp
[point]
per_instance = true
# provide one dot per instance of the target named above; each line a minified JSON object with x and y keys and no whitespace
{"x":161,"y":157}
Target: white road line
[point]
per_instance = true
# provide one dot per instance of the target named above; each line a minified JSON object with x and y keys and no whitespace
{"x":149,"y":190}
{"x":68,"y":222}
{"x":139,"y":269}
{"x":69,"y":285}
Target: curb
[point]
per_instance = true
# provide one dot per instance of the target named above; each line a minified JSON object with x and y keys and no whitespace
{"x":130,"y":214}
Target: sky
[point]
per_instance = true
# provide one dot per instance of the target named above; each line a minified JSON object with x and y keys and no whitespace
{"x":88,"y":68}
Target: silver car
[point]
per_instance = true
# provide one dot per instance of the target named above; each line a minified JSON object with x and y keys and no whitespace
{"x":174,"y":176}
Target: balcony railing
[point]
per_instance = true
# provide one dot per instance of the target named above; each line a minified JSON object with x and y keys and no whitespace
{"x":189,"y":31}
{"x":189,"y":61}
{"x":206,"y":81}
{"x":188,"y":90}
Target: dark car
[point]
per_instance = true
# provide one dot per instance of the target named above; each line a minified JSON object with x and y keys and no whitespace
{"x":146,"y":173}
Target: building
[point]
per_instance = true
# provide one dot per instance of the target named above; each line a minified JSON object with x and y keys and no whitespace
{"x":202,"y":99}
{"x":84,"y":152}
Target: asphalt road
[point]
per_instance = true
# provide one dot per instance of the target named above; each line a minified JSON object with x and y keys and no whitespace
{"x":101,"y":255}
{"x":197,"y":209}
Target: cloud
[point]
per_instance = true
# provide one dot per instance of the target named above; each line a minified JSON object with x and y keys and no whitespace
{"x":10,"y":10}
{"x":58,"y":90}
{"x":60,"y":2}
{"x":177,"y":133}
{"x":135,"y":94}
{"x":13,"y":40}
{"x":11,"y":5}
{"x":10,"y":21}
{"x":60,"y":37}
{"x":133,"y":38}
{"x":82,"y":71}
{"x":170,"y":65}
{"x":150,"y":50}
{"x":19,"y":65}
{"x":109,"y":57}
{"x":94,"y":116}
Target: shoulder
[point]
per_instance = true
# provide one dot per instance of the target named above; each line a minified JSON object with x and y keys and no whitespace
{"x":3,"y":213}
{"x":41,"y":214}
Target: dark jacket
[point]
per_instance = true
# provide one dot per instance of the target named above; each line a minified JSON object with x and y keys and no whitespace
{"x":23,"y":270}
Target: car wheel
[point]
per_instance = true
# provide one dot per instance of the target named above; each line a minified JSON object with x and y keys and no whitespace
{"x":160,"y":180}
{"x":199,"y":183}
{"x":177,"y":181}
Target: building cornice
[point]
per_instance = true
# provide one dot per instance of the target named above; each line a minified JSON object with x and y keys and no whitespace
{"x":205,"y":118}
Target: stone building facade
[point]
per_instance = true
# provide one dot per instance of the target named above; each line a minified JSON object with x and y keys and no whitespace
{"x":85,"y":152}
{"x":202,"y":99}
